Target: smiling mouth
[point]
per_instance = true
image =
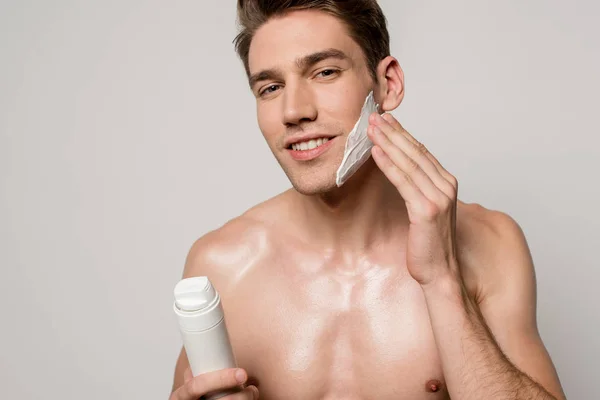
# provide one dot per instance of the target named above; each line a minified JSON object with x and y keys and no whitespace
{"x":308,"y":145}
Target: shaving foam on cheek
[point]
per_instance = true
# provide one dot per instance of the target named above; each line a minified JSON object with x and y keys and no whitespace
{"x":358,"y":144}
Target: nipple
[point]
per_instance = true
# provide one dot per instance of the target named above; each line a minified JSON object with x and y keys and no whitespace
{"x":433,"y":386}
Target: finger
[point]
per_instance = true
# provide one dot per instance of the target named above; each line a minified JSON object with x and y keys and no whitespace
{"x":407,"y":165}
{"x":389,"y":118}
{"x":396,"y":124}
{"x":210,"y":382}
{"x":417,"y":152}
{"x":414,"y":198}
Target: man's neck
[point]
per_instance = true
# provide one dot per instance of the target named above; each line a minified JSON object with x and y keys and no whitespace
{"x":365,"y":212}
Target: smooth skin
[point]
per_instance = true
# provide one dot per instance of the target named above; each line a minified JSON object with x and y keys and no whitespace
{"x":386,"y":288}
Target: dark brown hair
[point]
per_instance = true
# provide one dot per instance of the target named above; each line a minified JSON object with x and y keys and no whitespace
{"x":364,"y":20}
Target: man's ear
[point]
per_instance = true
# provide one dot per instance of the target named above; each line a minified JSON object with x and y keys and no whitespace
{"x":390,"y":84}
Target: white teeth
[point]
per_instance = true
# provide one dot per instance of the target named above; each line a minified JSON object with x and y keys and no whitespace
{"x":310,"y":144}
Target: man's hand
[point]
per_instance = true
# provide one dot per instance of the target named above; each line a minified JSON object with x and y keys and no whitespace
{"x":430,"y":194}
{"x":219,"y":381}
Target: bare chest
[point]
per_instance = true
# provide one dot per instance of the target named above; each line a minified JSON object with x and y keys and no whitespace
{"x":329,"y":336}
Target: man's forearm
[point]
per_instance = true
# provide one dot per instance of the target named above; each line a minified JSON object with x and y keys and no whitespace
{"x":474,"y":366}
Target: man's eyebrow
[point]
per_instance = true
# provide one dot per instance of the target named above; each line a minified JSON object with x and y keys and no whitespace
{"x":302,"y":63}
{"x":314,"y":58}
{"x":264,"y":76}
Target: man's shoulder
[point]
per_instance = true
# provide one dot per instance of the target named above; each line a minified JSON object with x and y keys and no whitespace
{"x":492,"y":246}
{"x":241,"y":240}
{"x":492,"y":225}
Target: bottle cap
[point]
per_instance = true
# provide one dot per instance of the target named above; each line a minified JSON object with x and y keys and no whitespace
{"x":194,"y":294}
{"x":197,"y":304}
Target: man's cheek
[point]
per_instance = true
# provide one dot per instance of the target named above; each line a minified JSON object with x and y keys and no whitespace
{"x":268,"y":127}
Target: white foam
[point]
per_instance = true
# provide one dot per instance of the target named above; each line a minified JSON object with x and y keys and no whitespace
{"x":358,"y":144}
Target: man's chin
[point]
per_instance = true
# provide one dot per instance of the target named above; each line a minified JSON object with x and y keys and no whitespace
{"x":320,"y":184}
{"x":315,"y":188}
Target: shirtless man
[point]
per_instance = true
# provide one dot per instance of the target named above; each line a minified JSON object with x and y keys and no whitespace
{"x":387,"y":287}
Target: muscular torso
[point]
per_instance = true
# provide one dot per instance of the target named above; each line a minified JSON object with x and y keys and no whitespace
{"x":310,"y":324}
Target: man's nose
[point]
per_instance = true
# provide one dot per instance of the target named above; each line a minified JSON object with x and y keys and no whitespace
{"x":298,"y":105}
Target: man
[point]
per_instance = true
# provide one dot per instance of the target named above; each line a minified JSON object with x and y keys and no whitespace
{"x":387,"y":287}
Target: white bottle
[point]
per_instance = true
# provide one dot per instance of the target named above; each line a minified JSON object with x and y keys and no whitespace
{"x":202,"y":325}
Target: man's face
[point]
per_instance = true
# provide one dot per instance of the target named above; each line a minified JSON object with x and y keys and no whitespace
{"x":310,"y":80}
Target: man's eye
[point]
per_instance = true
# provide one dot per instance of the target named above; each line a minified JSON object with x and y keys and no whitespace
{"x":328,"y":72}
{"x":269,"y":89}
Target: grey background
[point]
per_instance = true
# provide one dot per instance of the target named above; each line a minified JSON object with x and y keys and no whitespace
{"x":127,"y":131}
